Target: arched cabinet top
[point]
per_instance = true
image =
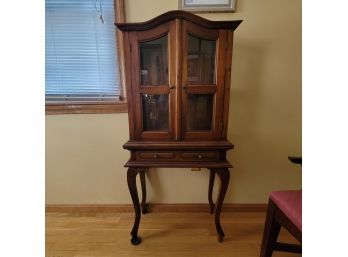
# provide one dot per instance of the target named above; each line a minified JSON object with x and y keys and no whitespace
{"x":178,"y":14}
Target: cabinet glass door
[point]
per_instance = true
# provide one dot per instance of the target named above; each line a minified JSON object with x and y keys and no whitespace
{"x":152,"y":79}
{"x":202,"y":83}
{"x":200,"y":71}
{"x":154,"y":72}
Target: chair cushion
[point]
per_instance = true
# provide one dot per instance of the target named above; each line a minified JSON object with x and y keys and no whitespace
{"x":290,"y":202}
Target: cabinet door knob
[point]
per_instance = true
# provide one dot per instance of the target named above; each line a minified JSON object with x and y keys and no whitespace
{"x":200,"y":156}
{"x":184,"y":86}
{"x":155,"y":155}
{"x":171,"y":86}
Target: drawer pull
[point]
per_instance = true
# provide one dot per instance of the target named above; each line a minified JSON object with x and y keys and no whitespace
{"x":155,"y":156}
{"x":202,"y":156}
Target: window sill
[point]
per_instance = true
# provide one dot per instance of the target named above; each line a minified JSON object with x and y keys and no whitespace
{"x":86,"y":108}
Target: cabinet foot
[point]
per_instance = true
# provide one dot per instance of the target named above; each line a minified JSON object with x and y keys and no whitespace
{"x":144,"y":208}
{"x":212,"y":208}
{"x":135,"y":240}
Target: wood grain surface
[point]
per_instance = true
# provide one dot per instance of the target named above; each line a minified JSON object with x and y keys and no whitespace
{"x":163,"y":234}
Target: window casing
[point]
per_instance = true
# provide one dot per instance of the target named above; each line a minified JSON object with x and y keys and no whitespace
{"x":83,"y":62}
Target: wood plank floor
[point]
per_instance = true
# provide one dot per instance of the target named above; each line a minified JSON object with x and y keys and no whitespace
{"x":163,"y":234}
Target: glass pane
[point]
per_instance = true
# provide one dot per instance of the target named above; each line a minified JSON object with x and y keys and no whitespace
{"x":199,"y":112}
{"x":200,"y":61}
{"x":155,"y":112}
{"x":154,"y":62}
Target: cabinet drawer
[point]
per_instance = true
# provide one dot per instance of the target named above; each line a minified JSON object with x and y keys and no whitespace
{"x":155,"y":156}
{"x":204,"y":156}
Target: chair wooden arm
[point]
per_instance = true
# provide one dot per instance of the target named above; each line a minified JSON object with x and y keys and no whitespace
{"x":295,"y":159}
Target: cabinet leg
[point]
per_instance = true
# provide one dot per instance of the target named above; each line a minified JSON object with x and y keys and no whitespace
{"x":143,"y":191}
{"x":210,"y":190}
{"x":224,"y":175}
{"x":131,"y":180}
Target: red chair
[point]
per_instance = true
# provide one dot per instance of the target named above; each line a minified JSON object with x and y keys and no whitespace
{"x":284,"y":210}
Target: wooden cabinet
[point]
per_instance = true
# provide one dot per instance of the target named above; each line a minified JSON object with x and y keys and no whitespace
{"x":178,"y":71}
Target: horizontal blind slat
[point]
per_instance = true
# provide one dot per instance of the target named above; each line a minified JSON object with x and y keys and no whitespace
{"x":81,"y":57}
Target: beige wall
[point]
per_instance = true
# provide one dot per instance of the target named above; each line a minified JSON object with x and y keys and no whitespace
{"x":84,"y":155}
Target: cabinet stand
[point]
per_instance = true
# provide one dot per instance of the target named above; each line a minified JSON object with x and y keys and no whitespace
{"x":223,"y":173}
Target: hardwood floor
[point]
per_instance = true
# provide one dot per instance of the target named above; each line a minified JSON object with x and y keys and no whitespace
{"x":163,"y":234}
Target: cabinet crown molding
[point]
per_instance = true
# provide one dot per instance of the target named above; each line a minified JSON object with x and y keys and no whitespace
{"x":178,"y":14}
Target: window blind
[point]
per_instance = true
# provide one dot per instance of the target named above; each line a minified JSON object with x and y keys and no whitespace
{"x":81,"y":56}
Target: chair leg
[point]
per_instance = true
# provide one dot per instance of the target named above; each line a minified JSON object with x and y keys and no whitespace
{"x":271,"y":231}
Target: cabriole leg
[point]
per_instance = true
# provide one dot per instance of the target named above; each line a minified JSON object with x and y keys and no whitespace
{"x":131,"y":179}
{"x":224,"y":175}
{"x":210,"y":190}
{"x":143,"y":191}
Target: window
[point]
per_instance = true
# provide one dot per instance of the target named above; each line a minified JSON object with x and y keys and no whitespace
{"x":82,"y":61}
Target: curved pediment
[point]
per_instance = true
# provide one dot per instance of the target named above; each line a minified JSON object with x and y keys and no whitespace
{"x":178,"y":14}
